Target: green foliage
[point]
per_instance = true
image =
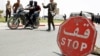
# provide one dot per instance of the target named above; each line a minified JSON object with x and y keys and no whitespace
{"x":2,"y":19}
{"x":1,"y":11}
{"x":55,"y":20}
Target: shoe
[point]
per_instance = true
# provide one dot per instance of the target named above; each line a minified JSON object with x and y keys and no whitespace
{"x":31,"y":28}
{"x":47,"y":30}
{"x":24,"y":27}
{"x":34,"y":27}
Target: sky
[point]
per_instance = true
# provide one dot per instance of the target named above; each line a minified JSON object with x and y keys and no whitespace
{"x":65,"y":6}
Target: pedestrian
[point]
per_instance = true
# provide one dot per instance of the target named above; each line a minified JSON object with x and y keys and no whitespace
{"x":51,"y":13}
{"x":16,"y":6}
{"x":97,"y":18}
{"x":64,"y":16}
{"x":8,"y":10}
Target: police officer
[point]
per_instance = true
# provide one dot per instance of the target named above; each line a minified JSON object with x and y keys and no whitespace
{"x":51,"y":13}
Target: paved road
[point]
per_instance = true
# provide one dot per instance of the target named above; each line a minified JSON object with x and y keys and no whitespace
{"x":37,"y":42}
{"x":25,"y":42}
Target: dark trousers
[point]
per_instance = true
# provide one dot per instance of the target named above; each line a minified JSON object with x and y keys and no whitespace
{"x":34,"y":17}
{"x":8,"y":14}
{"x":30,"y":22}
{"x":50,"y":21}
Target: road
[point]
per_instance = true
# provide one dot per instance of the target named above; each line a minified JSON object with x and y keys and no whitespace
{"x":37,"y":42}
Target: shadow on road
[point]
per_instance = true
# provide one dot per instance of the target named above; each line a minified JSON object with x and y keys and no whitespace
{"x":63,"y":55}
{"x":21,"y":29}
{"x":58,"y":54}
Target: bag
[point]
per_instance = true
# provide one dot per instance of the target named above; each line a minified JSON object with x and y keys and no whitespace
{"x":52,"y":13}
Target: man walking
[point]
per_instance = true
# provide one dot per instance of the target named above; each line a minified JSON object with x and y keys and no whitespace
{"x":51,"y":13}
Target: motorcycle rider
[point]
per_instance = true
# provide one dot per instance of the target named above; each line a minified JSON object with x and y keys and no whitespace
{"x":34,"y":11}
{"x":30,"y":8}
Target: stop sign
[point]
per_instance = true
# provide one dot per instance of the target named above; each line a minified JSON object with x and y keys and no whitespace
{"x":76,"y":36}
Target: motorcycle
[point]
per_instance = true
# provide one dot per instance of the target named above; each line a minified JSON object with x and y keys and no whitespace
{"x":20,"y":17}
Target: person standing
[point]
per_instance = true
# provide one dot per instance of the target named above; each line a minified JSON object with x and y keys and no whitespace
{"x":8,"y":10}
{"x":16,"y":6}
{"x":51,"y":13}
{"x":64,"y":16}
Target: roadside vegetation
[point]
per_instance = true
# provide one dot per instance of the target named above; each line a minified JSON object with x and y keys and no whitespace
{"x":2,"y":19}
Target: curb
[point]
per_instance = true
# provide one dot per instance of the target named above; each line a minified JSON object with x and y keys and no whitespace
{"x":41,"y":24}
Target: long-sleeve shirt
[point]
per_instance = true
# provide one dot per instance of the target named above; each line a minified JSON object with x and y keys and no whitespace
{"x":51,"y":7}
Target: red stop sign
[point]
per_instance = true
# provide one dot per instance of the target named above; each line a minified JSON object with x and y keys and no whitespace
{"x":76,"y":37}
